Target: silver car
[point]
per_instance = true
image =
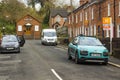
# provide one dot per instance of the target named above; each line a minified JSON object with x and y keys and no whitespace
{"x":9,"y":43}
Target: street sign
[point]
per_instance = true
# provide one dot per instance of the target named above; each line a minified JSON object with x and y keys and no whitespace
{"x":106,"y":20}
{"x":86,"y":22}
{"x":106,"y":23}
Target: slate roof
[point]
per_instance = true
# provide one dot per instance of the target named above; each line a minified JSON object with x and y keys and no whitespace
{"x":61,"y":12}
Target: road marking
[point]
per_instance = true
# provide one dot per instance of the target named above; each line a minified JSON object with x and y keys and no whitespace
{"x":54,"y":72}
{"x":60,"y":49}
{"x":4,"y":57}
{"x":10,"y":62}
{"x":114,"y":64}
{"x":4,"y":77}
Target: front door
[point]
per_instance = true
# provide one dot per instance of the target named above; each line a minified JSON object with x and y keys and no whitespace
{"x":28,"y":30}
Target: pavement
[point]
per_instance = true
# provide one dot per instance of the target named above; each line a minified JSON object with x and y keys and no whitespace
{"x":112,"y":60}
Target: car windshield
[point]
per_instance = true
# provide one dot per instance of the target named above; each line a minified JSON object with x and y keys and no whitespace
{"x":9,"y":39}
{"x":49,"y":34}
{"x":89,"y":41}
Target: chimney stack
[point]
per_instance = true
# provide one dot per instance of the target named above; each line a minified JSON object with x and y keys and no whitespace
{"x":83,"y":2}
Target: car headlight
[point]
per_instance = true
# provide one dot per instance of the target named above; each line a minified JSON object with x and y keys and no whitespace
{"x":2,"y":45}
{"x":105,"y":53}
{"x":56,"y":40}
{"x":85,"y":53}
{"x":16,"y":45}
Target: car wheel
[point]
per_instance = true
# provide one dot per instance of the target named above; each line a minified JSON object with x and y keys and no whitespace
{"x":42,"y":43}
{"x":69,"y":56}
{"x":18,"y":52}
{"x":105,"y":62}
{"x":76,"y":59}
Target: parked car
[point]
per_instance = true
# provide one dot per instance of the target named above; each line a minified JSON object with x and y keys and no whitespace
{"x":21,"y":40}
{"x":10,"y":43}
{"x":87,"y":49}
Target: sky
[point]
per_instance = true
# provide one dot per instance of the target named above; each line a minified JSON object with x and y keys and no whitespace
{"x":75,"y":3}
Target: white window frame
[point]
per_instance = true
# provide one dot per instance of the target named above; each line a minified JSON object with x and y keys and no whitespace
{"x":86,"y":16}
{"x":119,"y":9}
{"x":85,"y":31}
{"x":118,"y":31}
{"x":36,"y":28}
{"x":72,"y":18}
{"x":81,"y":16}
{"x":91,"y":30}
{"x":52,"y":21}
{"x":94,"y":30}
{"x":69,"y":20}
{"x":82,"y":29}
{"x":20,"y":28}
{"x":88,"y":29}
{"x":76,"y":18}
{"x":108,"y":9}
{"x":78,"y":30}
{"x":70,"y":32}
{"x":92,"y":13}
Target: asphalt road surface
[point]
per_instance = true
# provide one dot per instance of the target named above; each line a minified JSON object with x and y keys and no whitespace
{"x":40,"y":62}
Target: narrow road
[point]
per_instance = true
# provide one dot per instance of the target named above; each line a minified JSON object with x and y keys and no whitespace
{"x":39,"y":62}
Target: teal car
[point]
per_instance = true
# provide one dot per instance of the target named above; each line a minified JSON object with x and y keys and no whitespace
{"x":84,"y":48}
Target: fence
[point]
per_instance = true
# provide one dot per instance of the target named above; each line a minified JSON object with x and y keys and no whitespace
{"x":115,"y":45}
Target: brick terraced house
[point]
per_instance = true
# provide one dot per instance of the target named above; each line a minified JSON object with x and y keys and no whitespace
{"x":88,"y":18}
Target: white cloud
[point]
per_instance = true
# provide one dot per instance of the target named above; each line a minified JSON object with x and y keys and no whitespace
{"x":74,"y":2}
{"x":37,"y":6}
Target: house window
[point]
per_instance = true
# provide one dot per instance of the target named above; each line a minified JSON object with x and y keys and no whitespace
{"x":70,"y":32}
{"x":88,"y":29}
{"x":80,"y":30}
{"x":119,"y":9}
{"x":52,"y":21}
{"x":69,"y":20}
{"x":76,"y":31}
{"x":19,"y":27}
{"x":76,"y":18}
{"x":83,"y":30}
{"x":58,"y":19}
{"x":108,"y":9}
{"x":91,"y":31}
{"x":86,"y":16}
{"x":80,"y":16}
{"x":118,"y":32}
{"x":72,"y":18}
{"x":94,"y":30}
{"x":92,"y":13}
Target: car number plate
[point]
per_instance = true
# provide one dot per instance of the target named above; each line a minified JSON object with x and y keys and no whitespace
{"x":9,"y":48}
{"x":95,"y":54}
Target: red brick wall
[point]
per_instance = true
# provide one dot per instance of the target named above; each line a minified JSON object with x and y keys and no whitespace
{"x":53,"y":21}
{"x":22,"y":22}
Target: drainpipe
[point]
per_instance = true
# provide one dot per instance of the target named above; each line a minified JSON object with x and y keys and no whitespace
{"x":114,"y":21}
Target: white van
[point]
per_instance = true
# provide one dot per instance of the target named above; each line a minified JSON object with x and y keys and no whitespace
{"x":49,"y":36}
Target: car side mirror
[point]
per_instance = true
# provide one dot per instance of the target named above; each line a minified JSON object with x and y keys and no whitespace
{"x":104,"y":44}
{"x":75,"y":43}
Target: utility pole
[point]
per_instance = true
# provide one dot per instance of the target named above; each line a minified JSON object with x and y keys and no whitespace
{"x":71,"y":3}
